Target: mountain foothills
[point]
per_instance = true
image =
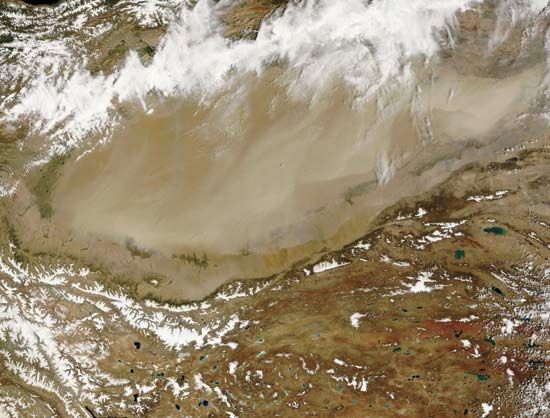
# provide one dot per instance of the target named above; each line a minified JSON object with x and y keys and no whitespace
{"x":259,"y":208}
{"x":441,"y":309}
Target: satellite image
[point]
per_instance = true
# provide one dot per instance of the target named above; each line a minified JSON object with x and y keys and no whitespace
{"x":274,"y":208}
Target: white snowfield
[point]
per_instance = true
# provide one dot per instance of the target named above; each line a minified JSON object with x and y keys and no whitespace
{"x":60,"y":350}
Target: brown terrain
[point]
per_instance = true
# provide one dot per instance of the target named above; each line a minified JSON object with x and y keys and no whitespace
{"x":439,"y":308}
{"x":426,"y":295}
{"x":205,"y":197}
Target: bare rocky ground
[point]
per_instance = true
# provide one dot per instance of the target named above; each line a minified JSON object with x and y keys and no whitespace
{"x":135,"y":263}
{"x":441,"y":309}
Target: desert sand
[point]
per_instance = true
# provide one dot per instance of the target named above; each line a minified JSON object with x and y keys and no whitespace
{"x":257,"y":180}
